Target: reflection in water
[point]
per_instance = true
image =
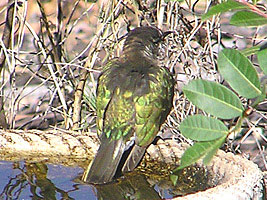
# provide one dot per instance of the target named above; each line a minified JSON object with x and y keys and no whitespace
{"x":33,"y":178}
{"x":21,"y":180}
{"x":132,"y":187}
{"x":148,"y":185}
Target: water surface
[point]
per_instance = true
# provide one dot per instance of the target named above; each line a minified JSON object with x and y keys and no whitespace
{"x":22,"y":180}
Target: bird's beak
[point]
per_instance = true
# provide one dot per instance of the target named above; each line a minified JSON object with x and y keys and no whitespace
{"x":166,"y":33}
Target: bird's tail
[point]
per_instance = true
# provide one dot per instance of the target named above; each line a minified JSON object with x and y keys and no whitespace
{"x":106,"y":161}
{"x":112,"y":159}
{"x":133,"y":158}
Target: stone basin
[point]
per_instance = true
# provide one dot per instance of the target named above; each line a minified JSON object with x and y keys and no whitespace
{"x":229,"y":176}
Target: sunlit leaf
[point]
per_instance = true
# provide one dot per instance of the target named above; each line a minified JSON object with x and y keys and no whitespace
{"x":255,"y":1}
{"x":213,"y":98}
{"x":202,"y":128}
{"x":250,"y":51}
{"x":199,"y":150}
{"x":263,"y":95}
{"x":223,"y":7}
{"x":174,"y":179}
{"x":239,"y":72}
{"x":213,"y":150}
{"x":247,"y":18}
{"x":262,"y":58}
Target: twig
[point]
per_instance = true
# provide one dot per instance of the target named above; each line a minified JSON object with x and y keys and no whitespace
{"x":56,"y":58}
{"x":6,"y":38}
{"x":90,"y":63}
{"x":253,"y":8}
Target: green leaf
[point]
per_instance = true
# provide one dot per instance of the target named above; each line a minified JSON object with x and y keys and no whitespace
{"x":198,"y":150}
{"x":213,"y":98}
{"x":250,"y":51}
{"x":223,"y":7}
{"x":263,"y":95}
{"x":174,"y":179}
{"x":202,"y":128}
{"x":255,"y":1}
{"x":262,"y":58}
{"x":247,"y":18}
{"x":239,"y":72}
{"x":213,"y":150}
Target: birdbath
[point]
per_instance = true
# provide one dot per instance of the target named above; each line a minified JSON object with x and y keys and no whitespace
{"x":229,"y":176}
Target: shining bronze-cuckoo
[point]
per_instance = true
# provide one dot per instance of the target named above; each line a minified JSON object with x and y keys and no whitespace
{"x":134,"y":98}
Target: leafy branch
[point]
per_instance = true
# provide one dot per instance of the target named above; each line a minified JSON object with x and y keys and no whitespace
{"x":208,"y":132}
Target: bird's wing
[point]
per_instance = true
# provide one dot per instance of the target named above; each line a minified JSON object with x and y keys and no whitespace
{"x":115,"y":126}
{"x":119,"y":116}
{"x":103,"y":94}
{"x":115,"y":117}
{"x":151,"y":110}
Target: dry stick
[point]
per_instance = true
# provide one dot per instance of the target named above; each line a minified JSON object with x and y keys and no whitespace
{"x":7,"y":33}
{"x":160,"y":13}
{"x":6,"y":41}
{"x":66,"y":32}
{"x":78,"y":99}
{"x":92,"y":55}
{"x":19,"y":17}
{"x":55,"y":57}
{"x":253,"y":8}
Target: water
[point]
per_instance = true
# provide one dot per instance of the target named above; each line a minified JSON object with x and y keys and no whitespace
{"x":21,"y":180}
{"x":41,"y":181}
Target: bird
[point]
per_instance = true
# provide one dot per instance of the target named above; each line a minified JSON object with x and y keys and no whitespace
{"x":134,"y":96}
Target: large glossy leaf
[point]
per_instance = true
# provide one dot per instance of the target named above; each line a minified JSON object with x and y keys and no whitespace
{"x":239,"y":72}
{"x":199,"y":150}
{"x":213,"y":98}
{"x":262,"y":58}
{"x":223,"y":7}
{"x":202,"y":128}
{"x":247,"y":18}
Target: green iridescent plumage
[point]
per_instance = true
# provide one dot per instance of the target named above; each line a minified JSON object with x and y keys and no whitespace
{"x":134,"y":97}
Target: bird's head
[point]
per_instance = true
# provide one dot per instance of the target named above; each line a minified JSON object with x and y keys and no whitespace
{"x":145,"y":40}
